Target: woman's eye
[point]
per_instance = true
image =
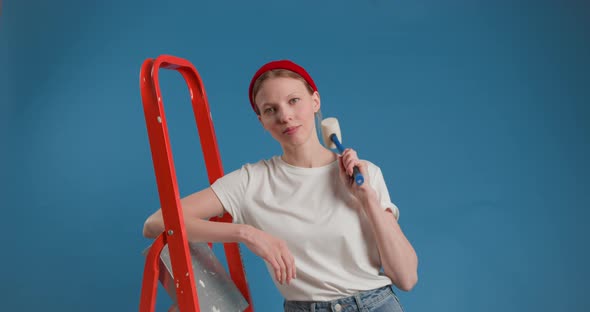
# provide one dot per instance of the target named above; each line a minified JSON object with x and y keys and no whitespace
{"x":269,"y":110}
{"x":294,"y":100}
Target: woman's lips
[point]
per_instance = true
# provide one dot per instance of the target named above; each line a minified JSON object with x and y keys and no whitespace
{"x":291,"y":130}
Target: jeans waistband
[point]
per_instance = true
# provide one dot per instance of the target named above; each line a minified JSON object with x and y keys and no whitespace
{"x":358,"y":300}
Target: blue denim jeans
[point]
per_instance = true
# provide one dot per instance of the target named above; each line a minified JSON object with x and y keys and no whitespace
{"x":377,"y":300}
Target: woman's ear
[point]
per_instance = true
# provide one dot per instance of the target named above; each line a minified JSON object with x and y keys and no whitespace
{"x":316,"y":101}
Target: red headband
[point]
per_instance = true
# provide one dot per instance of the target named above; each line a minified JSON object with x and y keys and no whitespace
{"x":282,"y":64}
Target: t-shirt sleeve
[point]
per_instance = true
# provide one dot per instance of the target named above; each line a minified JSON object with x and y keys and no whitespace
{"x":231,"y":189}
{"x":378,"y":182}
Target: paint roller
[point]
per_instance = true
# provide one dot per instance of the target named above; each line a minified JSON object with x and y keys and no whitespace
{"x":332,"y":138}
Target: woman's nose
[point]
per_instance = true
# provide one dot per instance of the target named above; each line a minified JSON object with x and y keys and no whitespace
{"x":285,"y":114}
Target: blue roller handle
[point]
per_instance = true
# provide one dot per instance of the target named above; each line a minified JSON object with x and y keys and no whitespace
{"x":356,"y":173}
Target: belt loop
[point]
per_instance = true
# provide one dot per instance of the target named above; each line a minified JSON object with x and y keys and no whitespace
{"x":359,"y":302}
{"x":313,"y":307}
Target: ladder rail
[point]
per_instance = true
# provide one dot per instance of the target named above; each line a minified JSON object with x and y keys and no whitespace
{"x":175,"y":234}
{"x":151,"y":273}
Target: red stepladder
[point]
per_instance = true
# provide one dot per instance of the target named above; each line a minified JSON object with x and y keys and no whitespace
{"x":175,"y":234}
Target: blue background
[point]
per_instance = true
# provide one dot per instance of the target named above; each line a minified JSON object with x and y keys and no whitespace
{"x":477,"y":114}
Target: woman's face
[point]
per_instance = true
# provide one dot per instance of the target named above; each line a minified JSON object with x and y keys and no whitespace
{"x":287,"y":110}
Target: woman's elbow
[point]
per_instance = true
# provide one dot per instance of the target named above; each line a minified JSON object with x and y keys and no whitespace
{"x":146,"y":230}
{"x":405,"y":281}
{"x":151,"y":229}
{"x":408,"y":283}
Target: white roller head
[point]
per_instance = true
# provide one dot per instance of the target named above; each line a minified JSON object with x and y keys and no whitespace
{"x":330,"y":126}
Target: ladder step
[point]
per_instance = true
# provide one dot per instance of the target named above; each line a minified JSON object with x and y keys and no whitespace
{"x":215,"y":288}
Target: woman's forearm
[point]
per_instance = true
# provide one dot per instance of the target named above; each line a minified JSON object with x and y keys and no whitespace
{"x":398,"y":258}
{"x":197,"y":208}
{"x":198,"y":230}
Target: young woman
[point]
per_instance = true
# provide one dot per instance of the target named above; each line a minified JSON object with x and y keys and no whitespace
{"x":323,"y":238}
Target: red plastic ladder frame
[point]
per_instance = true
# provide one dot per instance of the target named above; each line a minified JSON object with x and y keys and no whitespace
{"x":174,"y":234}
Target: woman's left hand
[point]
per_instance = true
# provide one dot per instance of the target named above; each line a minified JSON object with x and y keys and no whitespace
{"x":348,"y":160}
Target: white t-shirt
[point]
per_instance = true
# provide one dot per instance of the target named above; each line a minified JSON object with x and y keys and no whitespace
{"x":331,"y":240}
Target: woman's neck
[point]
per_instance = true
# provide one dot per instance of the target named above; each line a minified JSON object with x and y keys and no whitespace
{"x":315,"y":155}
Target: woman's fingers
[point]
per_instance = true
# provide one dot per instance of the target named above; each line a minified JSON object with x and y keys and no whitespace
{"x":276,"y":253}
{"x":289,"y":261}
{"x":350,"y":160}
{"x":283,"y":264}
{"x":282,"y":269}
{"x":342,"y":171}
{"x":290,"y":267}
{"x":275,"y":265}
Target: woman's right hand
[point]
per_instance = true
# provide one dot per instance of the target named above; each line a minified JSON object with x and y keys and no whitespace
{"x":273,"y":251}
